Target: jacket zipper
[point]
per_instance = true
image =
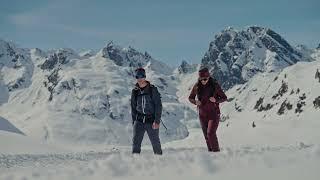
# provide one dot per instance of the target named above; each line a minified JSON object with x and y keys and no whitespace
{"x":143,"y":106}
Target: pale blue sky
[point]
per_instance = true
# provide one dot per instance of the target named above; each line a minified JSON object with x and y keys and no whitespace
{"x":169,"y":30}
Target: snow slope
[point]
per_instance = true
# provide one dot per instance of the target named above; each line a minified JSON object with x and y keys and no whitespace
{"x":13,"y":143}
{"x":59,"y":96}
{"x":278,"y":101}
{"x":182,"y":160}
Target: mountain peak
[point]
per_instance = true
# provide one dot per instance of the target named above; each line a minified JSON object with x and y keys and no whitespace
{"x":228,"y":29}
{"x":7,"y":48}
{"x":125,"y":56}
{"x":185,"y":67}
{"x":256,"y":29}
{"x":87,"y":53}
{"x":58,"y":56}
{"x":234,"y":56}
{"x":3,"y":42}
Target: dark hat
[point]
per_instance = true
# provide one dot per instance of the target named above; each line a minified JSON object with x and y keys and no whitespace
{"x":140,"y":73}
{"x":204,"y":72}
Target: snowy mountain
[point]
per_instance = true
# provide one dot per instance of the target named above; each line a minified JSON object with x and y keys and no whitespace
{"x":87,"y":54}
{"x":288,"y":90}
{"x":287,"y":98}
{"x":186,"y":68}
{"x":315,"y":54}
{"x":289,"y":94}
{"x":16,"y":67}
{"x":62,"y":97}
{"x":130,"y":57}
{"x":236,"y":56}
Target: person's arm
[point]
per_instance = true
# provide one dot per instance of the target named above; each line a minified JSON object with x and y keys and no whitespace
{"x":157,"y":105}
{"x":193,"y":94}
{"x":133,"y":106}
{"x":220,"y":95}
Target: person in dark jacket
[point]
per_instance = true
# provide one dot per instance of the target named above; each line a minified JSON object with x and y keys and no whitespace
{"x":146,"y":109}
{"x":209,"y":95}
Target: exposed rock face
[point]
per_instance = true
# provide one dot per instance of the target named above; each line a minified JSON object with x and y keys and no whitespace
{"x":185,"y":68}
{"x":236,"y":56}
{"x":16,"y":67}
{"x":125,"y":56}
{"x":61,"y":56}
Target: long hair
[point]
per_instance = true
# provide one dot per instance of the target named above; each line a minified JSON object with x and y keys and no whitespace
{"x":200,"y":87}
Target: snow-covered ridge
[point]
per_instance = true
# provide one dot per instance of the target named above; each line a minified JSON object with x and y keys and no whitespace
{"x":234,"y":56}
{"x":15,"y":66}
{"x":186,"y":68}
{"x":130,"y":57}
{"x":68,"y":98}
{"x":87,"y":53}
{"x":290,"y":96}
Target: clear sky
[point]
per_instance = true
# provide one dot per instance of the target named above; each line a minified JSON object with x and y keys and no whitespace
{"x":169,"y":30}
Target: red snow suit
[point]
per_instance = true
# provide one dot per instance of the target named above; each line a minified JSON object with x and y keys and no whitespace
{"x":209,"y":112}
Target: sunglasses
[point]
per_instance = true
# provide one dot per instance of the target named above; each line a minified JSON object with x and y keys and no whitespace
{"x":204,"y":79}
{"x":140,"y":76}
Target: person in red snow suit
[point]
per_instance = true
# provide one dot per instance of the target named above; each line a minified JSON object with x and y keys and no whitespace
{"x":209,"y":95}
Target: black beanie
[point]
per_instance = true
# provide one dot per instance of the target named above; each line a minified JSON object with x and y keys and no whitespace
{"x":140,"y":73}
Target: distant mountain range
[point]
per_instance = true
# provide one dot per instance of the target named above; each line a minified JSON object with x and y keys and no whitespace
{"x":62,"y":96}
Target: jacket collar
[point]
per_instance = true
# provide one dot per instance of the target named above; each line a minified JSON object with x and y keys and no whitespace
{"x":137,"y":87}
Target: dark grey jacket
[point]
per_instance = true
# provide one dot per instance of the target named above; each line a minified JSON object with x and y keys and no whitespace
{"x":143,"y":103}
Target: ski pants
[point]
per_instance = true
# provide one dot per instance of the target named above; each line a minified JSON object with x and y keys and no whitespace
{"x":209,"y":124}
{"x":139,"y":128}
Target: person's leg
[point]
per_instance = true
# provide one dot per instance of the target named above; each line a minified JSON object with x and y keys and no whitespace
{"x":154,"y":138}
{"x":212,"y":134}
{"x":138,"y":133}
{"x":204,"y":126}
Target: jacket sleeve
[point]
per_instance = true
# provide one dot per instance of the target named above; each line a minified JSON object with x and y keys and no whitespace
{"x":157,"y":104}
{"x":220,"y":95}
{"x":193,"y":94}
{"x":133,"y":106}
